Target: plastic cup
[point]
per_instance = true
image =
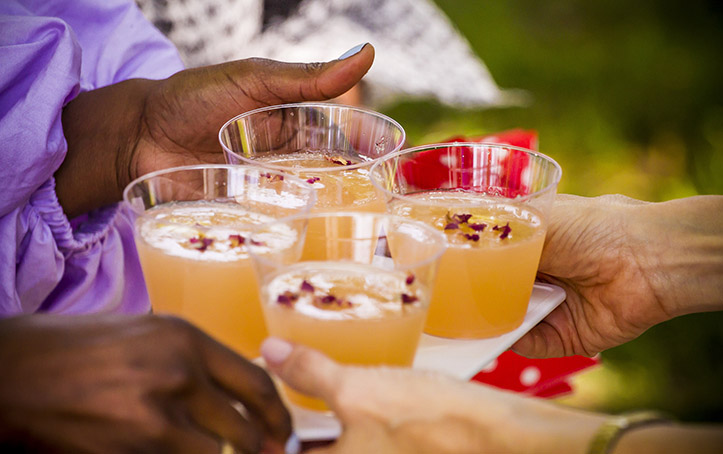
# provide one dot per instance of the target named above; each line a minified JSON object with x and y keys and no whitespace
{"x":331,"y":146}
{"x":491,"y":202}
{"x":361,"y":299}
{"x":192,"y":238}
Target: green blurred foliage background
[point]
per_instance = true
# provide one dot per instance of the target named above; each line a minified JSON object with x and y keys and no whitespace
{"x":627,"y":97}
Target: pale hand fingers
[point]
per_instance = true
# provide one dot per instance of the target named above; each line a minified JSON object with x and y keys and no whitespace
{"x":302,"y":368}
{"x":556,"y":335}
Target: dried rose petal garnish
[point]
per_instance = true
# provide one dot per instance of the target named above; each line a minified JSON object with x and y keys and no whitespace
{"x":338,"y":160}
{"x":313,"y":180}
{"x":287,"y":298}
{"x":273,"y":177}
{"x":506,"y":229}
{"x":328,"y":299}
{"x":461,"y":218}
{"x":200,"y":243}
{"x":236,"y":240}
{"x":306,"y":286}
{"x":257,"y":243}
{"x":460,"y":222}
{"x":408,"y":299}
{"x":410,"y":279}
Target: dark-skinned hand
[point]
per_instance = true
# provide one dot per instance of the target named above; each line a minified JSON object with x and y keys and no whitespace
{"x":111,"y":384}
{"x":120,"y":132}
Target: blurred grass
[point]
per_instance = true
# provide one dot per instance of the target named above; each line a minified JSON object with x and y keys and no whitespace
{"x":627,"y":97}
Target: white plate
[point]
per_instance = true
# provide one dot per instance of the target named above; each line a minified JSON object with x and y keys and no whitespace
{"x":459,"y":358}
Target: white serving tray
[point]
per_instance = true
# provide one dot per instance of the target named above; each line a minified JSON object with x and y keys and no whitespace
{"x":459,"y":358}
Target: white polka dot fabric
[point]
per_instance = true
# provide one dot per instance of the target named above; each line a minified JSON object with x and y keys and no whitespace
{"x":419,"y":52}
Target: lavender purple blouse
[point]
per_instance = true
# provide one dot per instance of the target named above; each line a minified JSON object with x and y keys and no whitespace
{"x":50,"y":50}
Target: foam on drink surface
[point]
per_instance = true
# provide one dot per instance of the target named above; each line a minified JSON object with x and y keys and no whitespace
{"x":337,"y":185}
{"x":180,"y":228}
{"x":358,"y":292}
{"x":484,"y":219}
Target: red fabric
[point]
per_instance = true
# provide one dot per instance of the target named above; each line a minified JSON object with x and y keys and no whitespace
{"x":534,"y":377}
{"x":452,"y":166}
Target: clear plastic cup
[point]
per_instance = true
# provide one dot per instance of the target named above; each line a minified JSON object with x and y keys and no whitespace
{"x":330,"y":146}
{"x":361,"y":299}
{"x":192,"y":238}
{"x":491,"y":201}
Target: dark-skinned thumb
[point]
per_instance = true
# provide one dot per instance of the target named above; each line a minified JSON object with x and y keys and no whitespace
{"x":273,"y":82}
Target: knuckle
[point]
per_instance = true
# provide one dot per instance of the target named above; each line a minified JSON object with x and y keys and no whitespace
{"x":250,"y":63}
{"x":178,"y":377}
{"x":263,"y":384}
{"x":301,"y":361}
{"x":256,"y":67}
{"x":179,"y":329}
{"x":304,"y":362}
{"x":174,"y":322}
{"x":313,"y":68}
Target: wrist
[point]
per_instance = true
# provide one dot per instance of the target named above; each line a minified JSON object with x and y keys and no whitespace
{"x":102,"y":128}
{"x":610,"y":432}
{"x":513,"y":423}
{"x":681,"y":251}
{"x":559,"y":429}
{"x":671,"y":437}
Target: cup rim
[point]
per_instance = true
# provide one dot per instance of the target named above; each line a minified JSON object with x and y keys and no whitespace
{"x":362,"y":164}
{"x":442,"y":247}
{"x":552,"y":186}
{"x":286,"y":176}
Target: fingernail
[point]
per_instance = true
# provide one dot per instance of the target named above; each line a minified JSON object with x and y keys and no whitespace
{"x":353,"y":51}
{"x":275,"y":350}
{"x":293,"y":445}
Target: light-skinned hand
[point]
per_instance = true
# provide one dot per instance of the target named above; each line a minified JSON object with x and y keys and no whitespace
{"x":403,"y":411}
{"x":386,"y":410}
{"x":626,"y":265}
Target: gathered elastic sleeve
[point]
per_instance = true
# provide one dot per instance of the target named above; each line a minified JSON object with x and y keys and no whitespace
{"x":46,"y":263}
{"x":92,"y":268}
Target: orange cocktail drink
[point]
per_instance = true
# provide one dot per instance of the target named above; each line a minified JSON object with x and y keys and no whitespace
{"x":490,"y":201}
{"x":192,"y":238}
{"x":332,"y":147}
{"x":340,"y":183}
{"x":486,"y":275}
{"x":353,"y":301}
{"x":334,"y":307}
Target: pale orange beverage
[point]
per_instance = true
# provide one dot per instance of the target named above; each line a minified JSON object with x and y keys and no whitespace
{"x":340,"y":184}
{"x":330,"y":146}
{"x":196,"y":265}
{"x":355,"y":313}
{"x":486,"y":275}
